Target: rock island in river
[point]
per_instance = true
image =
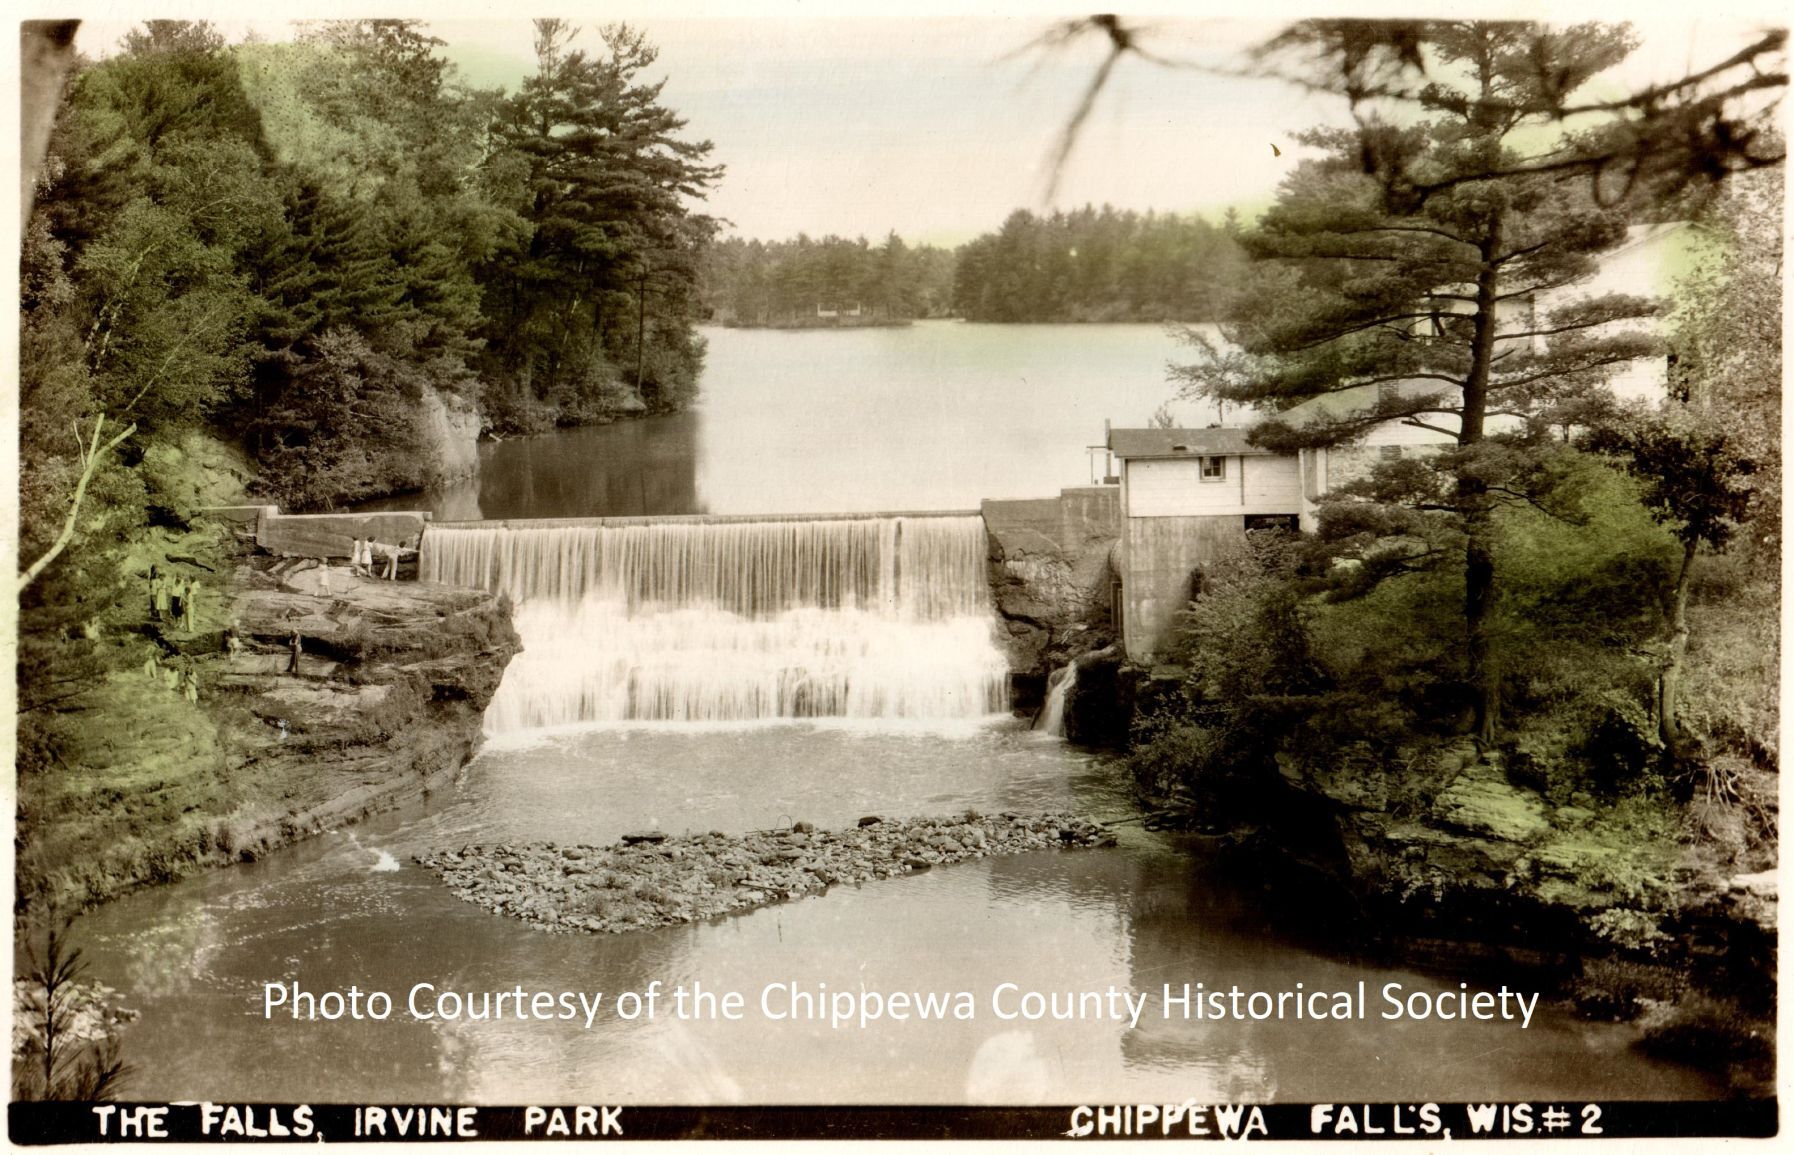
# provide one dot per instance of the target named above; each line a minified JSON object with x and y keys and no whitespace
{"x":654,"y":879}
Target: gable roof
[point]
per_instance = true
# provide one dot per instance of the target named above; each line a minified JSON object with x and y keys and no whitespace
{"x":1138,"y":443}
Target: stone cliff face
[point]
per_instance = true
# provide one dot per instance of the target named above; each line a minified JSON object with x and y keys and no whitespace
{"x":203,"y":758}
{"x":1051,"y":577}
{"x":451,"y":428}
{"x":393,"y":682}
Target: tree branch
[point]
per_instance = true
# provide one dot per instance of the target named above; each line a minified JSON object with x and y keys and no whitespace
{"x":1603,"y":362}
{"x":90,"y":462}
{"x":1382,"y":320}
{"x":1431,"y":428}
{"x":1409,"y":229}
{"x":1560,"y":329}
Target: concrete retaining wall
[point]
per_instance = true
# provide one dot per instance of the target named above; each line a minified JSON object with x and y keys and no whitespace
{"x":693,"y":519}
{"x":242,"y":514}
{"x":332,"y":535}
{"x":1160,"y":555}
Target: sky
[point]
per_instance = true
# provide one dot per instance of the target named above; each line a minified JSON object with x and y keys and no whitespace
{"x":938,"y":126}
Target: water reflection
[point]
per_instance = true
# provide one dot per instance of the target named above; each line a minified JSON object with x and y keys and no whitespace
{"x":642,"y":468}
{"x":194,"y":957}
{"x":939,"y":415}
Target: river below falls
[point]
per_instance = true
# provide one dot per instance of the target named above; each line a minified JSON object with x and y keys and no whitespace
{"x":930,"y":417}
{"x":350,"y":908}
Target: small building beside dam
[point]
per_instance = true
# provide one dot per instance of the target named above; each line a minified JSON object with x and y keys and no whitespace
{"x":1188,"y":496}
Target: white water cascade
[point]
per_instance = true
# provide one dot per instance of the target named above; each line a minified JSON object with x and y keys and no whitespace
{"x":1051,"y":719}
{"x":722,"y":620}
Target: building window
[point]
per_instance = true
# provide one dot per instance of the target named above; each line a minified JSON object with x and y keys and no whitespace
{"x":1214,"y":469}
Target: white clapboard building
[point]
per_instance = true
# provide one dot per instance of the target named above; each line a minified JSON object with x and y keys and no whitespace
{"x":1189,"y":495}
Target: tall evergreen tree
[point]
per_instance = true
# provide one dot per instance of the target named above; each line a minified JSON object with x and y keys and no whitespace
{"x":1444,"y":301}
{"x":605,"y":175}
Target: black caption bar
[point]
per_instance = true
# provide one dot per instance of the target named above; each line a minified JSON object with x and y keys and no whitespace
{"x":53,"y":1123}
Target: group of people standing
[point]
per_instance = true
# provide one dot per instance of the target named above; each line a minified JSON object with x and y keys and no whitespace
{"x":370,"y":554}
{"x":172,"y":598}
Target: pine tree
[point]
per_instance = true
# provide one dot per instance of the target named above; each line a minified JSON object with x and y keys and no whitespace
{"x":607,"y":175}
{"x":1454,"y":304}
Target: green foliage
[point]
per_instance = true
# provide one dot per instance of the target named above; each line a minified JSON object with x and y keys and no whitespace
{"x":1249,"y":673}
{"x":1443,"y":311}
{"x":210,"y":214}
{"x":65,"y":1028}
{"x":1094,"y":265}
{"x":1597,"y":577}
{"x":1633,"y":930}
{"x":345,"y":429}
{"x":1097,"y":265}
{"x":780,"y":283}
{"x":1727,"y":340}
{"x":215,"y":219}
{"x":1698,"y":475}
{"x":1291,"y":655}
{"x":600,"y":284}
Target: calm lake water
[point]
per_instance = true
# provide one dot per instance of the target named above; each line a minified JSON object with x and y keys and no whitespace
{"x":934,"y":416}
{"x":938,"y":415}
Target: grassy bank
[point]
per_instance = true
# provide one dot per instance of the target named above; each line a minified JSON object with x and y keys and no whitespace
{"x":150,"y":780}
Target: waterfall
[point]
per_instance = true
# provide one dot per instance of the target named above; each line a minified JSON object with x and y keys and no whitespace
{"x":1051,"y":719}
{"x":736,"y":619}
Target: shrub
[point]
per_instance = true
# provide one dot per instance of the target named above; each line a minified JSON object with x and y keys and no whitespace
{"x":1623,"y":749}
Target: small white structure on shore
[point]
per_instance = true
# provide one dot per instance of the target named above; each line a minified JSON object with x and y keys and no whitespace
{"x":1189,"y":495}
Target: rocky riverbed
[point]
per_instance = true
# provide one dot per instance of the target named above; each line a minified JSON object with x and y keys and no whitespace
{"x":652,"y":879}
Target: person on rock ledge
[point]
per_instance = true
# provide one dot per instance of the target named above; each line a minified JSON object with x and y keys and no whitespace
{"x":297,"y":648}
{"x":160,"y":594}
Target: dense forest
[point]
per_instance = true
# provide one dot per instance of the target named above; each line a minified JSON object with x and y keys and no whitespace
{"x":1099,"y":265}
{"x":1086,"y":265}
{"x":322,"y":251}
{"x":308,"y":273}
{"x":805,"y":282}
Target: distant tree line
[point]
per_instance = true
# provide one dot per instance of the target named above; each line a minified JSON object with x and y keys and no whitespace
{"x":1086,"y":265}
{"x":1099,"y":265}
{"x":805,"y":282}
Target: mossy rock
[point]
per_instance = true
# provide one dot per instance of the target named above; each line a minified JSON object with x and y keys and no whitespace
{"x":1481,"y":801}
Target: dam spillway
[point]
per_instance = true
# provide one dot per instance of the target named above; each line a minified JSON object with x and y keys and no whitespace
{"x":730,"y":619}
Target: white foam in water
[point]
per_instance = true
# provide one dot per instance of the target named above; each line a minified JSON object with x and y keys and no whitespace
{"x":885,"y":618}
{"x":1051,"y":719}
{"x":384,"y":862}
